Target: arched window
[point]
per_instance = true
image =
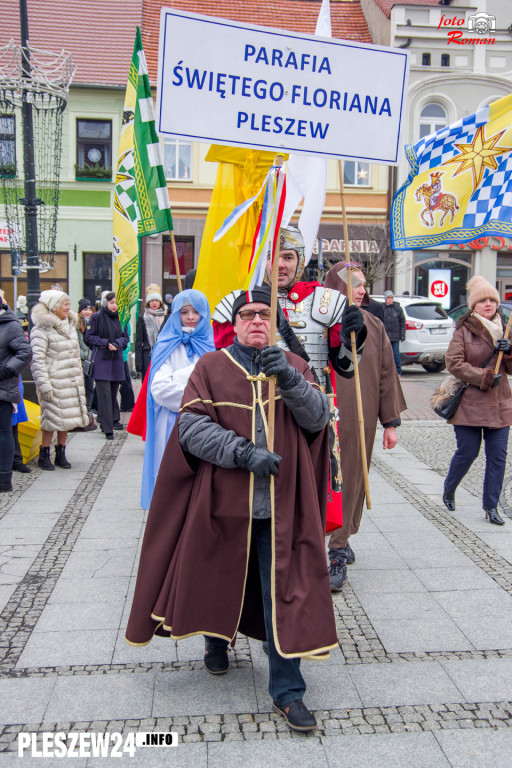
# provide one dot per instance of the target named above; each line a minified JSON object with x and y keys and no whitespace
{"x":432,"y":118}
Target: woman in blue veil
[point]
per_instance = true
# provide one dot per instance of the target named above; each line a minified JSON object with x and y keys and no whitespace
{"x":185,"y":337}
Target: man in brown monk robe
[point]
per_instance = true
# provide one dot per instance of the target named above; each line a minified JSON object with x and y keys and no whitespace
{"x":382,"y":400}
{"x":235,"y":534}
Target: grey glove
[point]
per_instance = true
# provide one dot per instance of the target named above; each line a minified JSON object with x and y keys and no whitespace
{"x":503,"y":345}
{"x":496,"y":380}
{"x":351,"y":320}
{"x":274,"y":362}
{"x":259,"y":461}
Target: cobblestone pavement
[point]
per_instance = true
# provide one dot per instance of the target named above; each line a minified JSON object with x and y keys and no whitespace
{"x":422,"y":676}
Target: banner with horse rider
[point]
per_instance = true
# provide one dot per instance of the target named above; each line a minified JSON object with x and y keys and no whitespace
{"x":460,"y":184}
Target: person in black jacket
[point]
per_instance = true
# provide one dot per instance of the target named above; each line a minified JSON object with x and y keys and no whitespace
{"x":394,"y":323}
{"x":15,"y":354}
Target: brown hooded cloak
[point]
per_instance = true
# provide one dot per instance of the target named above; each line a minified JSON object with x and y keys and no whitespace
{"x":197,"y":573}
{"x":382,"y":400}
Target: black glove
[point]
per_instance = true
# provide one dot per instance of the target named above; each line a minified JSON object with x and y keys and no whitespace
{"x":503,"y":345}
{"x":496,"y":380}
{"x":274,"y":363}
{"x":351,"y":320}
{"x":259,"y":460}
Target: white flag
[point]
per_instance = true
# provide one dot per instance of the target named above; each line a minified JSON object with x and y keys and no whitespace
{"x":307,"y":175}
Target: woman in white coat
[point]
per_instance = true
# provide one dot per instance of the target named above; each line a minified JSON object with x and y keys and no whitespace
{"x":185,"y":337}
{"x":57,"y":372}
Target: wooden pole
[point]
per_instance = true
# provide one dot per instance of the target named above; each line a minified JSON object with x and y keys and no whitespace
{"x":353,"y":346}
{"x":176,"y":262}
{"x":505,"y":336}
{"x":279,"y":160}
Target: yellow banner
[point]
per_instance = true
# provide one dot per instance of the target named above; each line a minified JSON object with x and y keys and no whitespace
{"x":224,"y":266}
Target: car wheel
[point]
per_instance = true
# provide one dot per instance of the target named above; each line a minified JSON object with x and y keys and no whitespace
{"x":434,"y":367}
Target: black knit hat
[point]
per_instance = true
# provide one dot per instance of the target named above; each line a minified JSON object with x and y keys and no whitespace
{"x":261,"y":294}
{"x":84,"y":304}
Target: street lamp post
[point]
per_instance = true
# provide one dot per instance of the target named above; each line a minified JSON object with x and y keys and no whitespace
{"x":30,"y":201}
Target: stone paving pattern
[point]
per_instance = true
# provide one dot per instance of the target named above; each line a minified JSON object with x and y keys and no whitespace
{"x":422,"y":676}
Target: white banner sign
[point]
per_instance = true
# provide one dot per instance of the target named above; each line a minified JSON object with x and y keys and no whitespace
{"x":439,"y":281}
{"x":6,"y":235}
{"x":224,"y":82}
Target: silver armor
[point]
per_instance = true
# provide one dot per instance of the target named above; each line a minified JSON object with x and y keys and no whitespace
{"x":310,"y":321}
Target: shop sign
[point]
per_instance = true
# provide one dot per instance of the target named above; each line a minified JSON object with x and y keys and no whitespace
{"x":8,"y":234}
{"x":335,"y":245}
{"x":495,"y":242}
{"x":4,"y":235}
{"x":224,"y":82}
{"x":439,"y":286}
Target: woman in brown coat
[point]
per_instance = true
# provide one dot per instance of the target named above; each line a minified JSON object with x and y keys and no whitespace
{"x":486,"y":406}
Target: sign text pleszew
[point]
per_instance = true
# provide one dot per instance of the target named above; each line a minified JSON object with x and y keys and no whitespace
{"x":224,"y":82}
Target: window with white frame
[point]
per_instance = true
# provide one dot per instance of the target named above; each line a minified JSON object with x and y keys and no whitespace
{"x":93,"y":149}
{"x":357,"y":173}
{"x":177,"y":159}
{"x":7,"y":145}
{"x":432,"y":119}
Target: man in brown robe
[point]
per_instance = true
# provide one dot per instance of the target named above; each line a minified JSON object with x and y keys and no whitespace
{"x":235,"y":534}
{"x":382,"y":400}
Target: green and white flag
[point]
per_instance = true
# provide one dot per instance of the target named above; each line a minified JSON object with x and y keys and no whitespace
{"x":141,"y":200}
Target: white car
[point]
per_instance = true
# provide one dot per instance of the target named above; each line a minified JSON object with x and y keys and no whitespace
{"x":428,"y":331}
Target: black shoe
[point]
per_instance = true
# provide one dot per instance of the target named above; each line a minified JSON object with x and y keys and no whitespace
{"x":492,"y":514}
{"x":216,"y":659}
{"x":337,"y":575}
{"x":449,"y":500}
{"x":297,"y":715}
{"x":44,"y":461}
{"x":118,"y":426}
{"x":21,"y":468}
{"x":60,"y":457}
{"x":109,"y":435}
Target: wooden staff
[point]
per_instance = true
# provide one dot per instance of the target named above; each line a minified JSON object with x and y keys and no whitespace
{"x":353,"y":346}
{"x":505,"y":336}
{"x":176,"y":262}
{"x":279,"y":160}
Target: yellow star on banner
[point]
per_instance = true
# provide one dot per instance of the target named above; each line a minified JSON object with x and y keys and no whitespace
{"x":481,"y":152}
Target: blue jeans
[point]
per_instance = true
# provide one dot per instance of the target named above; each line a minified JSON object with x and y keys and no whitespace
{"x":469,"y":440}
{"x":285,"y":679}
{"x":396,"y":354}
